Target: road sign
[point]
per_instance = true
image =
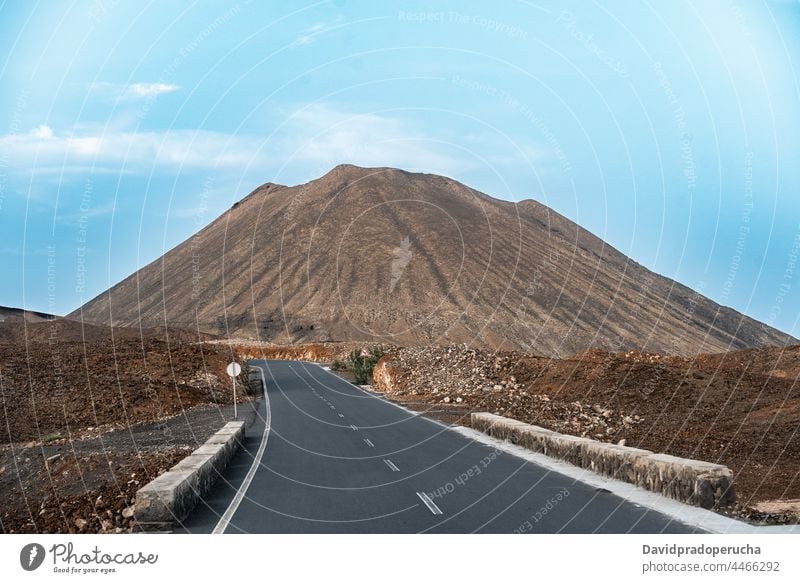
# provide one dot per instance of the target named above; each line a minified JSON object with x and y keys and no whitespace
{"x":364,"y":352}
{"x":233,"y":371}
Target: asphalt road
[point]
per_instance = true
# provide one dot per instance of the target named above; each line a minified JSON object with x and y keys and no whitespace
{"x":341,"y":460}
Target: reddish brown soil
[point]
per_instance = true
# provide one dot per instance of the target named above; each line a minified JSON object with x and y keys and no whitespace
{"x":53,"y":391}
{"x":313,"y":352}
{"x":782,"y":363}
{"x":67,"y":330}
{"x":83,"y":493}
{"x":730,"y":409}
{"x":90,"y":414}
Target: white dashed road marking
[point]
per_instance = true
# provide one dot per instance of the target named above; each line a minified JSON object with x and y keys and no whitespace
{"x":391,"y":465}
{"x":429,"y":503}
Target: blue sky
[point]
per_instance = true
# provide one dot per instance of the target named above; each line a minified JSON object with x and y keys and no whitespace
{"x":670,"y":129}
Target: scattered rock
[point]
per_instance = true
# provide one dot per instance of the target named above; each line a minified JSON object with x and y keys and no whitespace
{"x":492,"y":382}
{"x":779,"y":507}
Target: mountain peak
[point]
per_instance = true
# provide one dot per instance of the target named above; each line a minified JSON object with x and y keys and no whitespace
{"x":383,"y":254}
{"x":353,"y":170}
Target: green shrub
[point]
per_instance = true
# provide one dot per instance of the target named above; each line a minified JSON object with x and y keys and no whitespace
{"x":362,"y":366}
{"x":337,"y":366}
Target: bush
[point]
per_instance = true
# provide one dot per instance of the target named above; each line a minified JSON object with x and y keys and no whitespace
{"x":362,"y":366}
{"x":337,"y":366}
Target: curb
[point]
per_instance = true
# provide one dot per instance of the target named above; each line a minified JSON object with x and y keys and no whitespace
{"x":689,"y":481}
{"x":170,"y":498}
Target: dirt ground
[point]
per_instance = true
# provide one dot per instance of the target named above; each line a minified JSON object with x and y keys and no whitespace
{"x":86,"y":485}
{"x":87,"y":493}
{"x":62,"y":390}
{"x":313,"y":352}
{"x":85,"y":423}
{"x":90,"y":414}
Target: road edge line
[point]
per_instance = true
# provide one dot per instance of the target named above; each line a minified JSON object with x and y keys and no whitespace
{"x":690,"y":515}
{"x":225,"y":520}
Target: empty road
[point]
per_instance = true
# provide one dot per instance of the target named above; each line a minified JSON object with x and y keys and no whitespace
{"x":335,"y":459}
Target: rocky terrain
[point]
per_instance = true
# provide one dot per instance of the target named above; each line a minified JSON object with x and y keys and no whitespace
{"x":88,"y":485}
{"x":388,"y":256}
{"x":58,"y":330}
{"x":327,"y":352}
{"x":736,"y":409}
{"x":74,"y":396}
{"x":52,"y":392}
{"x":90,"y":493}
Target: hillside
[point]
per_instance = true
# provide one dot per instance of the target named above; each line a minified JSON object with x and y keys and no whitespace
{"x":734,"y":410}
{"x":18,"y":315}
{"x":391,"y":256}
{"x":57,"y":330}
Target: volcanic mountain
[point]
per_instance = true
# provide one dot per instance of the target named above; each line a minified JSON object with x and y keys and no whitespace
{"x":17,"y":315}
{"x":385,"y":255}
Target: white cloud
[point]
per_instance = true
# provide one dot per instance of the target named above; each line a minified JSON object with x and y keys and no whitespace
{"x":303,"y":39}
{"x":43,"y":132}
{"x":308,"y":35}
{"x":325,"y":136}
{"x":132,"y":91}
{"x":88,"y":169}
{"x":315,"y":138}
{"x":44,"y":149}
{"x":144,"y":90}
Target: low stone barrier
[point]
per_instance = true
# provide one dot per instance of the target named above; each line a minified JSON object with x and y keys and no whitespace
{"x":690,"y":481}
{"x":170,"y":498}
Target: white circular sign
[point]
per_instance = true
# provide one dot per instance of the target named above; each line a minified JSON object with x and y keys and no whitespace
{"x":234,"y":369}
{"x":364,"y":352}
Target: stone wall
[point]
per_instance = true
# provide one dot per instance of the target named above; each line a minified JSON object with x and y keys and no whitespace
{"x":693,"y":482}
{"x":170,"y":498}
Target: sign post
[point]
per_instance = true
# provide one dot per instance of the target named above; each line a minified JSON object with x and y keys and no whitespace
{"x":233,"y":370}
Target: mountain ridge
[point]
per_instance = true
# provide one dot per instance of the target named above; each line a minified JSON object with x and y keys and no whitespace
{"x":383,"y":254}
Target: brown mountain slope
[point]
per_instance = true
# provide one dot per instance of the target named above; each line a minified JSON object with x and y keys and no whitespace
{"x":59,"y":329}
{"x":15,"y":315}
{"x":393,"y":256}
